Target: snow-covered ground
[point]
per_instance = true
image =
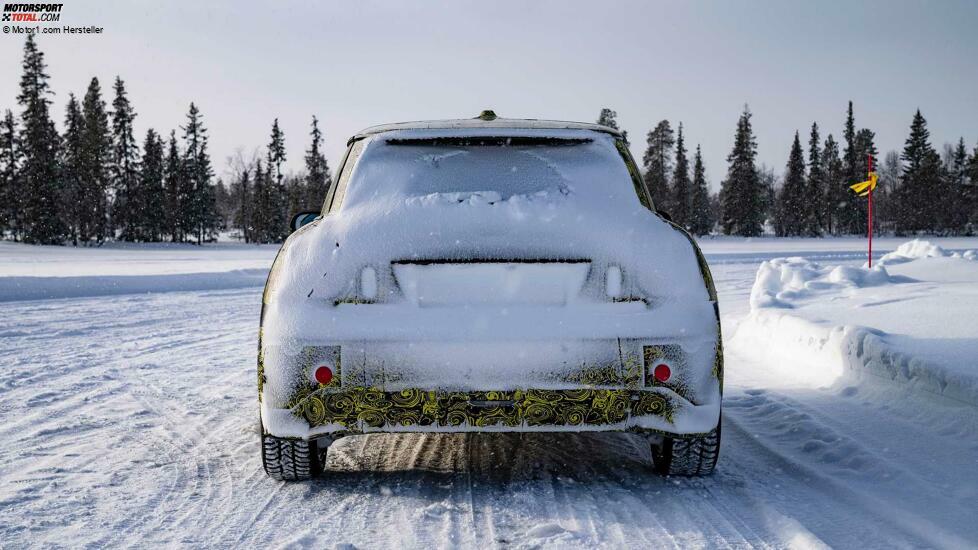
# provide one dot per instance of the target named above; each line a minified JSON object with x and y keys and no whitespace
{"x":42,"y":272}
{"x":128,"y":418}
{"x":911,"y":318}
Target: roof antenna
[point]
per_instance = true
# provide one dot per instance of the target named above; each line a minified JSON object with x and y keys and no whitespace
{"x":488,"y":114}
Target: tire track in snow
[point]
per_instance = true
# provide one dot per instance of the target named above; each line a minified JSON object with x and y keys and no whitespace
{"x":888,"y":522}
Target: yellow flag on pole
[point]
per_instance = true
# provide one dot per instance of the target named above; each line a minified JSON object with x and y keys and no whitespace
{"x":864,"y":187}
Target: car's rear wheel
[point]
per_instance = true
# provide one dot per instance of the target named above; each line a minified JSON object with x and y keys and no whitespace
{"x":291,"y":459}
{"x":694,"y":456}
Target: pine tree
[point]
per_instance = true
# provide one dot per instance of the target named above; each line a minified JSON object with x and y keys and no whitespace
{"x":39,"y":177}
{"x":276,"y":151}
{"x":918,"y":195}
{"x":318,"y":178}
{"x":73,"y":168}
{"x":241,"y":196}
{"x":767,"y":182}
{"x":226,"y":206}
{"x":741,"y":191}
{"x":701,"y":218}
{"x":128,"y":208}
{"x":97,"y":147}
{"x":11,"y":194}
{"x":657,"y":162}
{"x":849,"y":212}
{"x":211,"y":222}
{"x":959,"y":164}
{"x":886,"y":209}
{"x":173,"y":190}
{"x":793,"y":197}
{"x":681,"y":193}
{"x":279,"y":215}
{"x":200,"y":220}
{"x":716,"y":209}
{"x":609,"y":118}
{"x":151,"y":225}
{"x":295,"y":194}
{"x":865,"y":150}
{"x":957,"y":200}
{"x":973,"y":188}
{"x":835,"y":179}
{"x":778,"y":213}
{"x":813,"y":197}
{"x":261,"y":206}
{"x":973,"y":167}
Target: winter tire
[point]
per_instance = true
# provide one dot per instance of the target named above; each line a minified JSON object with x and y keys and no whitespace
{"x":291,"y":459}
{"x":695,"y":456}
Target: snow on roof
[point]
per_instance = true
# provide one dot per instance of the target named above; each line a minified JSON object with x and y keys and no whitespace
{"x":486,"y":122}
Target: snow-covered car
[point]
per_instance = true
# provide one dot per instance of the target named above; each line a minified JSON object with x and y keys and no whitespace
{"x":489,"y":275}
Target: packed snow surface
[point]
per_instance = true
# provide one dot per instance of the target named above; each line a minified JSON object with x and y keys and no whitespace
{"x":130,"y":420}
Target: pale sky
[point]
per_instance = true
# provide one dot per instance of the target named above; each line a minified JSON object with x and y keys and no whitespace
{"x":356,"y":64}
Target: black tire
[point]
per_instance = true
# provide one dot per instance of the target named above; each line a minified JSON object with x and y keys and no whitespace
{"x":694,"y":456}
{"x":291,"y":459}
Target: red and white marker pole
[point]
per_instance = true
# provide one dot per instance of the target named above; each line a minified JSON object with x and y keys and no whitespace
{"x":869,"y":162}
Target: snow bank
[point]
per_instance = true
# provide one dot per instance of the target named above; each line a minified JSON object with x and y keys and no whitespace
{"x":782,"y":281}
{"x":821,"y":323}
{"x":814,"y":353}
{"x":917,"y":248}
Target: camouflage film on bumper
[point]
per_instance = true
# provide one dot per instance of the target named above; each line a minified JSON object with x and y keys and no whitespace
{"x":375,"y":408}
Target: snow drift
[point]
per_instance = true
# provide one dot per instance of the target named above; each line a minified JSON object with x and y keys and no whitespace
{"x":782,"y":281}
{"x":801,"y":316}
{"x":916,"y":249}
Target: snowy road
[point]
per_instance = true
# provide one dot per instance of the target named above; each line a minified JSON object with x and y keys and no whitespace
{"x":131,"y":420}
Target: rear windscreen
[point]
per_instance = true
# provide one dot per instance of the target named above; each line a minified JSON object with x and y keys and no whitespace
{"x":499,"y":166}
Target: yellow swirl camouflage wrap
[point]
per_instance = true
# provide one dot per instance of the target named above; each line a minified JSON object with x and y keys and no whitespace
{"x":261,"y":374}
{"x":627,"y":372}
{"x":374,"y":408}
{"x":718,"y":360}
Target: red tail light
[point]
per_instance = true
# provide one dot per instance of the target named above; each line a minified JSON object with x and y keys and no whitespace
{"x":662,"y":372}
{"x":324,"y":374}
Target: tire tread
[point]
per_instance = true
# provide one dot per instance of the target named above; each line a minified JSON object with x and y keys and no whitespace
{"x":290,"y":459}
{"x":694,"y":456}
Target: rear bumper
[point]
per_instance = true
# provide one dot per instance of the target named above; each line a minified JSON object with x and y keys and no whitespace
{"x":335,"y":412}
{"x":442,"y":369}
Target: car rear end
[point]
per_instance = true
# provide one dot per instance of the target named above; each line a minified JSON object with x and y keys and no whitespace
{"x":490,"y":280}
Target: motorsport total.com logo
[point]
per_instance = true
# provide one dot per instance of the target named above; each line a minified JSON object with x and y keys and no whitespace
{"x":31,"y":13}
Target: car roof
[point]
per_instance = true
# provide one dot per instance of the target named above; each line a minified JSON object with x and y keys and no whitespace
{"x":486,"y":120}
